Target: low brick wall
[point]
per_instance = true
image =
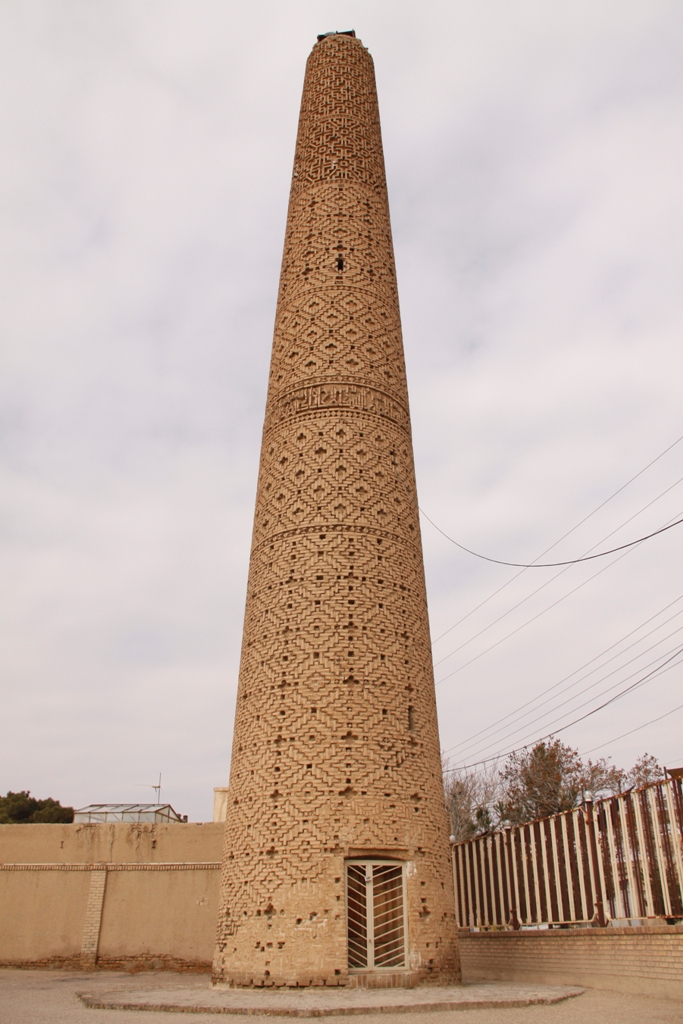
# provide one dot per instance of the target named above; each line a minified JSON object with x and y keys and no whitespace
{"x":645,"y":961}
{"x":115,"y":896}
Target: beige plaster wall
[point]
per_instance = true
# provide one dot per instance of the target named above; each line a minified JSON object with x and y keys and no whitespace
{"x":158,"y":908}
{"x":42,"y":915}
{"x":116,"y":844}
{"x":165,"y":915}
{"x":220,"y":802}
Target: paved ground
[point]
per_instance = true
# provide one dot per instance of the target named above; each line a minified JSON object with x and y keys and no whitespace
{"x":193,"y":995}
{"x":49,"y":997}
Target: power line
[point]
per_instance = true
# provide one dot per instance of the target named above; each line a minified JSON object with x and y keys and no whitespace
{"x":528,"y":622}
{"x":563,"y":537}
{"x":551,"y":565}
{"x":581,"y":667}
{"x":467,"y":744}
{"x":566,"y":564}
{"x":558,"y":574}
{"x":650,"y":675}
{"x":533,"y":618}
{"x":596,"y":696}
{"x":619,"y":682}
{"x":637,"y":729}
{"x":516,"y":713}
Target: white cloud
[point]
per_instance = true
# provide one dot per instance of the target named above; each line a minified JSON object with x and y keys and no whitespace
{"x":534,"y":159}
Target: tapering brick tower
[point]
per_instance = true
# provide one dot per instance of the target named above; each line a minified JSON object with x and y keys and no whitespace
{"x":336,"y":867}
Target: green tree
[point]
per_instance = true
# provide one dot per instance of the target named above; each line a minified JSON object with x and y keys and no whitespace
{"x":21,"y":808}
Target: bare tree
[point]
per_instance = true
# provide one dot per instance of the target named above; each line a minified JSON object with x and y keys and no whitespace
{"x":546,"y":779}
{"x":645,"y":770}
{"x":471,"y":799}
{"x":539,"y":782}
{"x":600,"y":778}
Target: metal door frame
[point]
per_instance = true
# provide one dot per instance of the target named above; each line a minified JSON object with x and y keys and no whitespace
{"x":375,"y":862}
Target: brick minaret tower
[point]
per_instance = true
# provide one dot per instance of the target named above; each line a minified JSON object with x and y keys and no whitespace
{"x":336,"y":867}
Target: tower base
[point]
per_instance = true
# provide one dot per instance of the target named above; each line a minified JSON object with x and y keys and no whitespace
{"x":366,"y":980}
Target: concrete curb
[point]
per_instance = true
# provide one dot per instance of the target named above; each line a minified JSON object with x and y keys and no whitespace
{"x":497,"y":996}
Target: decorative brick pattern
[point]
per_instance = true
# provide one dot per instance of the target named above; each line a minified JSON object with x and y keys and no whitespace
{"x":93,"y":917}
{"x":336,"y":749}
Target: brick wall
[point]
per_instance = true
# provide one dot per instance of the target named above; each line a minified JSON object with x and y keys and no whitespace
{"x":646,"y":960}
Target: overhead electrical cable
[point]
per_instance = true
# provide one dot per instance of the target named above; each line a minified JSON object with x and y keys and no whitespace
{"x":654,"y":674}
{"x":637,"y":729}
{"x":666,"y":666}
{"x":517,"y":711}
{"x":552,"y":565}
{"x":487,"y":745}
{"x":528,"y":622}
{"x":547,"y":583}
{"x":483,"y":749}
{"x":482,"y":603}
{"x":581,"y":667}
{"x":534,"y":617}
{"x":563,"y":537}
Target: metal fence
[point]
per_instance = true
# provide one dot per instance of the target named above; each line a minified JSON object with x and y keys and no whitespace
{"x":620,"y":858}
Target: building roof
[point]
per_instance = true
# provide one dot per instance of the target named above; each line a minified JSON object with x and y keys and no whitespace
{"x":127,"y":812}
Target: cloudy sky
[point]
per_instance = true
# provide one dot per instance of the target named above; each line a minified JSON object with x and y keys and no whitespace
{"x":534,"y":155}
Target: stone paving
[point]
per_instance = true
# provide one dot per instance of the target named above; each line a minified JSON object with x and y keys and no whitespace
{"x":50,"y":997}
{"x":195,"y":997}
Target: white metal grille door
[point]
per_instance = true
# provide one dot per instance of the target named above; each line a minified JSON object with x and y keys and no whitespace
{"x":357,"y":915}
{"x":375,"y":908}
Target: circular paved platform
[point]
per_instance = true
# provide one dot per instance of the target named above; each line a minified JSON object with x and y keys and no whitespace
{"x":195,"y":996}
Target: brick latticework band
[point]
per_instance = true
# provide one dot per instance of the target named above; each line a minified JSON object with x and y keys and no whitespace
{"x":336,"y":747}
